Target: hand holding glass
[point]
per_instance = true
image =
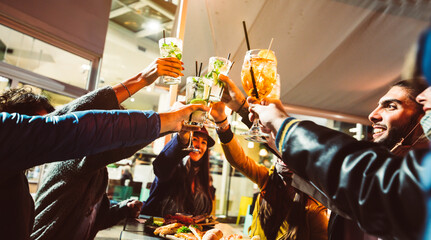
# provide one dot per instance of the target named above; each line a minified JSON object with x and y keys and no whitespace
{"x":258,"y":76}
{"x":171,"y":47}
{"x":197,"y":92}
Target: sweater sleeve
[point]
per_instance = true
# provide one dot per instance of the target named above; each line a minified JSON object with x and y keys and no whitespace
{"x":100,"y":99}
{"x":30,"y":141}
{"x":235,"y":155}
{"x":165,"y":163}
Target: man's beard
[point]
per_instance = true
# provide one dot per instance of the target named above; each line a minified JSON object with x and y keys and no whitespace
{"x":395,"y":134}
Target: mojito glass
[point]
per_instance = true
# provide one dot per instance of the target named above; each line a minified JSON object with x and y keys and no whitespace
{"x":217,"y":66}
{"x":171,"y":47}
{"x":197,"y":92}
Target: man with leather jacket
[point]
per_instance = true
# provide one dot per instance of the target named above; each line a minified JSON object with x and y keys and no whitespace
{"x":384,"y":193}
{"x":396,"y":125}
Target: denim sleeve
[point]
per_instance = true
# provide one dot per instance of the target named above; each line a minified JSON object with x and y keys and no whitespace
{"x":28,"y":141}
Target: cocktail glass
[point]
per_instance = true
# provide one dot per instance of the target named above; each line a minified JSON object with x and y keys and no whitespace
{"x":197,"y":92}
{"x":217,"y":66}
{"x":171,"y":47}
{"x":258,"y":76}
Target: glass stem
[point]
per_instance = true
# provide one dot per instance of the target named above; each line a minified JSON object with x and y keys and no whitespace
{"x":255,"y":127}
{"x":190,"y":140}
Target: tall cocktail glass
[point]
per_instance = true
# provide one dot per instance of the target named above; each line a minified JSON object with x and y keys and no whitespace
{"x":258,"y":76}
{"x":171,"y":47}
{"x":197,"y":92}
{"x":217,"y":66}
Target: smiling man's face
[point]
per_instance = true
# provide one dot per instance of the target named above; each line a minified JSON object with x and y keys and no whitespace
{"x":395,"y":116}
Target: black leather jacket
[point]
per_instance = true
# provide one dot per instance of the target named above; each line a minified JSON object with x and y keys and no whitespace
{"x":379,"y":191}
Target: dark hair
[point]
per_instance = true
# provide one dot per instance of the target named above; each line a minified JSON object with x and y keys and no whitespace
{"x":181,"y":198}
{"x":413,"y":86}
{"x":24,"y":101}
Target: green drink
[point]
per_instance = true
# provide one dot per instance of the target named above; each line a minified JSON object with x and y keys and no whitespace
{"x":197,"y":92}
{"x":217,"y":66}
{"x":171,"y":47}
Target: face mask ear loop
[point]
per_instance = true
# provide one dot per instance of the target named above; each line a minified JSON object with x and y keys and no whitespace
{"x":400,"y":143}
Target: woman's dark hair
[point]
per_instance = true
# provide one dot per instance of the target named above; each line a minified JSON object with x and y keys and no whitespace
{"x":182,"y":199}
{"x":278,"y":204}
{"x":24,"y":101}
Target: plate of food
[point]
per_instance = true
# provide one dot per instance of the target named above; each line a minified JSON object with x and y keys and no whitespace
{"x":179,"y":231}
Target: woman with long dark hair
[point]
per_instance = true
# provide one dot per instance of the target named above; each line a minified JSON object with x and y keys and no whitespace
{"x":281,"y":212}
{"x":182,"y":182}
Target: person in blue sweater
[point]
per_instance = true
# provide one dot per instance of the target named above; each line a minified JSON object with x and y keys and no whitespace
{"x":182,"y":182}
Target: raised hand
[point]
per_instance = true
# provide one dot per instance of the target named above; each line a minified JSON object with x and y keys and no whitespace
{"x":172,"y":121}
{"x":217,"y":111}
{"x":270,"y":111}
{"x":159,"y":67}
{"x":232,"y":95}
{"x":169,"y":66}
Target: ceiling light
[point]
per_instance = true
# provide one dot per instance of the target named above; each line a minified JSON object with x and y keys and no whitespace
{"x":250,"y":145}
{"x":153,"y":25}
{"x":263,"y":152}
{"x":132,"y":99}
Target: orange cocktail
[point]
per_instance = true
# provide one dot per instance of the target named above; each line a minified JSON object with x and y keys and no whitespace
{"x":264,"y":66}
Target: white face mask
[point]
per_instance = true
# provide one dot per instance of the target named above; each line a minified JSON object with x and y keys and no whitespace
{"x":426,"y":124}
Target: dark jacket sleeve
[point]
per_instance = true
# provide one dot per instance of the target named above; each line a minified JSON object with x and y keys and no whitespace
{"x":30,"y":141}
{"x":165,"y":163}
{"x":113,"y":214}
{"x":378,"y":190}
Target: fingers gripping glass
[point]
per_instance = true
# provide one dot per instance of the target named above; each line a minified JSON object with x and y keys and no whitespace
{"x":217,"y":66}
{"x":258,"y":76}
{"x":171,"y":47}
{"x":197,"y":92}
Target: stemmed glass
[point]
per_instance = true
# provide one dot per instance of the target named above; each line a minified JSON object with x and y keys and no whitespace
{"x":217,"y":66}
{"x":258,"y":76}
{"x":197,"y":92}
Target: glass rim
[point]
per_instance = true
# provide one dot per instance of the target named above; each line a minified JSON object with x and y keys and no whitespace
{"x":170,"y":38}
{"x":260,"y":49}
{"x":177,"y":41}
{"x":215,"y":57}
{"x":191,"y":77}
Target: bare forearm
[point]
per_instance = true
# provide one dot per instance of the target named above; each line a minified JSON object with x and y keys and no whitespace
{"x":131,"y":85}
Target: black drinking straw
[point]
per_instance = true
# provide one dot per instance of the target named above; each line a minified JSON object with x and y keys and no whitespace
{"x":246,"y":35}
{"x":164,"y":36}
{"x":231,"y":65}
{"x":200,"y":69}
{"x":196,"y":67}
{"x":253,"y":80}
{"x":228,"y":56}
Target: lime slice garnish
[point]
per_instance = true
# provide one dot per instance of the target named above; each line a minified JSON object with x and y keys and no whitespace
{"x":198,"y":101}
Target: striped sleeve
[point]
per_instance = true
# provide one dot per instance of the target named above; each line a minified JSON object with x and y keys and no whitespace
{"x":283,"y":133}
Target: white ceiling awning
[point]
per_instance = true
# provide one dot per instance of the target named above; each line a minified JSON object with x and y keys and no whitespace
{"x":333,"y":55}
